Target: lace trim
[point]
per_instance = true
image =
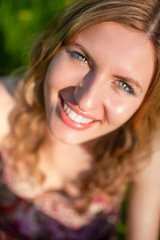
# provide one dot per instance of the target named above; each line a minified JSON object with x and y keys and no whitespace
{"x":56,"y":206}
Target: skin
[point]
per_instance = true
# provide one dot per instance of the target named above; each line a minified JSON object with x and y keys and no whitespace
{"x":93,"y":84}
{"x":93,"y":87}
{"x":143,"y":218}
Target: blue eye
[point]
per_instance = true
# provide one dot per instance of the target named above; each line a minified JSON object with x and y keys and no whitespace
{"x":126,"y":87}
{"x":79,"y":56}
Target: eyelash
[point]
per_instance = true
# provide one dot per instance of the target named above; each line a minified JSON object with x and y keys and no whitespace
{"x":126,"y":87}
{"x":78,"y":56}
{"x":122,"y":84}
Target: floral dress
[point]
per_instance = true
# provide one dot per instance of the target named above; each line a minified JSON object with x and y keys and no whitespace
{"x":50,"y":217}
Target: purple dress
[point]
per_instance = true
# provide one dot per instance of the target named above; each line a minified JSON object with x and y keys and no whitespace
{"x":22,"y":220}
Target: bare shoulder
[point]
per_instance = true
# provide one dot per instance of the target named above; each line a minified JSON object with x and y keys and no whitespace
{"x":143,"y":206}
{"x":150,"y":175}
{"x":7,"y":90}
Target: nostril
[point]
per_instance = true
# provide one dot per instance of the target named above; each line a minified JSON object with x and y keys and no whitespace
{"x":79,"y":85}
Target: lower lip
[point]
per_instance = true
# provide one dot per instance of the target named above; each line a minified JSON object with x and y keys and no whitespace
{"x":70,"y":122}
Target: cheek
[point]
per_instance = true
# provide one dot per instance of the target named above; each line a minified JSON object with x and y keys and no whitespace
{"x":121,"y":110}
{"x":62,"y":73}
{"x":54,"y":76}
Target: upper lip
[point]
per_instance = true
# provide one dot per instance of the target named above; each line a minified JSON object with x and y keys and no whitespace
{"x":77,"y":110}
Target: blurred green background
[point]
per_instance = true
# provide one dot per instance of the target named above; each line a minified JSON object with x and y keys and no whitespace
{"x":22,"y":21}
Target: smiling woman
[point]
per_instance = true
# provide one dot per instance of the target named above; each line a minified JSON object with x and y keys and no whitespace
{"x":109,"y":69}
{"x":81,"y":124}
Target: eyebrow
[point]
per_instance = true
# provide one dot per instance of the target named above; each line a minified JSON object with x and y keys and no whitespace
{"x":126,"y":79}
{"x":130,"y":80}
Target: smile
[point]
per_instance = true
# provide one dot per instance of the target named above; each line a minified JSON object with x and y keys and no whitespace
{"x":74,"y":116}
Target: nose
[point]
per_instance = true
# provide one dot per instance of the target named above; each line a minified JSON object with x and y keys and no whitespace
{"x":89,"y":93}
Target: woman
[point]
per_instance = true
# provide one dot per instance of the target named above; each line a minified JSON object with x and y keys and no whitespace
{"x":78,"y":126}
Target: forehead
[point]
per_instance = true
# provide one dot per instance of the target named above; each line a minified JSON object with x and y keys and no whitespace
{"x":116,"y":33}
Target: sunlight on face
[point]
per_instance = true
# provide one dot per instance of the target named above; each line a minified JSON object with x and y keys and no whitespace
{"x":95,"y":84}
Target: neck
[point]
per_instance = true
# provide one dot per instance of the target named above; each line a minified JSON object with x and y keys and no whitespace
{"x":63,"y":163}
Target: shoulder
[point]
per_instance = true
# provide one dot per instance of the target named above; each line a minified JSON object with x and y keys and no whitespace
{"x":7,"y":100}
{"x":150,"y":175}
{"x":143,"y":207}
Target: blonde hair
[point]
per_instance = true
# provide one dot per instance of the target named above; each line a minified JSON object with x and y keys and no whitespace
{"x":116,"y":158}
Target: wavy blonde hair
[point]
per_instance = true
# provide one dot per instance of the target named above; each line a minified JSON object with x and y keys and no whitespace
{"x":116,"y":155}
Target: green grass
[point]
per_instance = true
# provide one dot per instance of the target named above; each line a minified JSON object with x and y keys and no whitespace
{"x":121,"y":228}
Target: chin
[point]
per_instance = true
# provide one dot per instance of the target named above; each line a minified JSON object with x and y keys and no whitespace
{"x":67,"y":140}
{"x":66,"y":137}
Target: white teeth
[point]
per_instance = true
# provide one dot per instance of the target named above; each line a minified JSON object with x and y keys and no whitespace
{"x":68,"y":111}
{"x":74,"y":116}
{"x":79,"y":119}
{"x":65,"y":107}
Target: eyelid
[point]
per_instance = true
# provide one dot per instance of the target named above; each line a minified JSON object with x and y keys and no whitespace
{"x":128,"y":82}
{"x":79,"y":55}
{"x":78,"y":50}
{"x":131,"y":82}
{"x":131,"y":88}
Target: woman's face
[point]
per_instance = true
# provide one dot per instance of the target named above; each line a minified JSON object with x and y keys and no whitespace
{"x":95,"y":84}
